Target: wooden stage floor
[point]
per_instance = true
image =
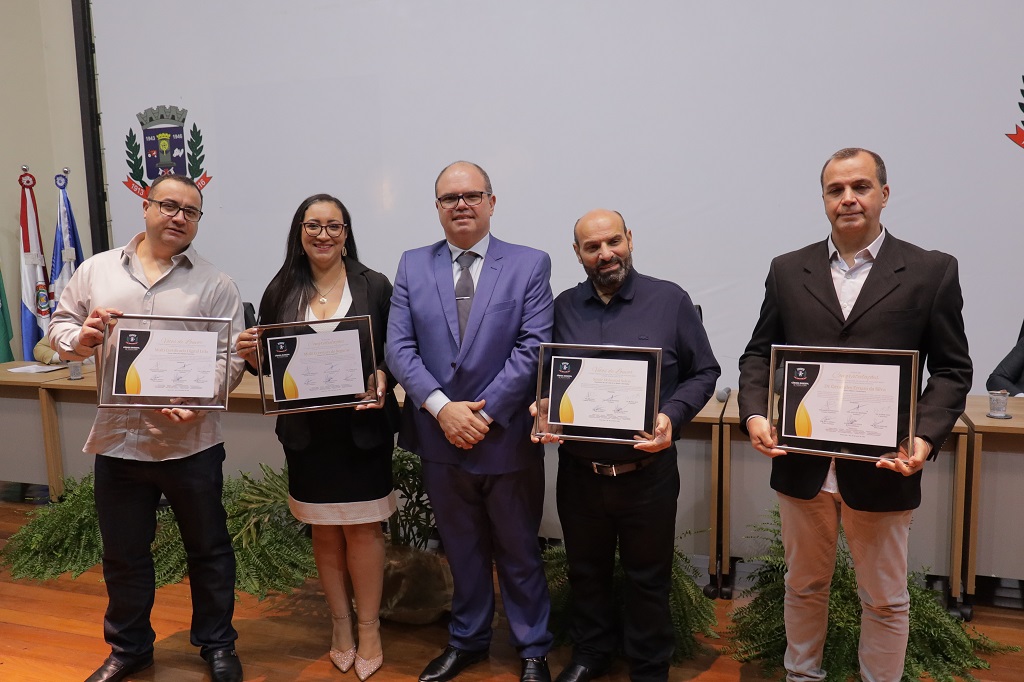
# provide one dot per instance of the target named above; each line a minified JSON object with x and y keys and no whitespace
{"x":52,"y":632}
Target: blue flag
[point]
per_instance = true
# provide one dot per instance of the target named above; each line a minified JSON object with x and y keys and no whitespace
{"x":67,"y":249}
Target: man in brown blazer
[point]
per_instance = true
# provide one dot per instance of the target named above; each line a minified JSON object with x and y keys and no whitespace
{"x":861,"y":288}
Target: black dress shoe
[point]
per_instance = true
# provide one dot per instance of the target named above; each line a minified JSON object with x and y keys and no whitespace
{"x":575,"y":672}
{"x":535,"y":670}
{"x":113,"y":669}
{"x":225,"y":666}
{"x":450,"y":663}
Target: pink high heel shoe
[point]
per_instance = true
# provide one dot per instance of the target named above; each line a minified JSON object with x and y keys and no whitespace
{"x":366,"y":667}
{"x":342,"y":660}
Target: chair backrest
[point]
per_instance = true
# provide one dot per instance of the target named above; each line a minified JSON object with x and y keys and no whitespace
{"x":249,"y":313}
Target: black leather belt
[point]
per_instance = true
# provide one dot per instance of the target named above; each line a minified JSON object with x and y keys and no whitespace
{"x":619,"y":468}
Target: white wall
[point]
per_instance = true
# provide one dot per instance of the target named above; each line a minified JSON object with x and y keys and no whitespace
{"x":40,"y":125}
{"x":705,"y":124}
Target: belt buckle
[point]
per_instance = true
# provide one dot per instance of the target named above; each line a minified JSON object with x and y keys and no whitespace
{"x":603,"y":469}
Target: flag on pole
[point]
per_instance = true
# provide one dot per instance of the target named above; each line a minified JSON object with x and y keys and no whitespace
{"x":35,"y":288}
{"x":67,"y":249}
{"x":6,"y":333}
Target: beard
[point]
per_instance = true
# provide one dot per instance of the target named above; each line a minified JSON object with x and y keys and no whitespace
{"x":609,"y":282}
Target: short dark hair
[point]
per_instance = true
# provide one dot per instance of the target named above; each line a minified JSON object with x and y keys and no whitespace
{"x":576,"y":239}
{"x":183,"y":179}
{"x":487,"y":178}
{"x":849,"y":153}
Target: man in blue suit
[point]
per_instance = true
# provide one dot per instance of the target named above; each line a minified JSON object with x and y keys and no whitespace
{"x":468,"y":315}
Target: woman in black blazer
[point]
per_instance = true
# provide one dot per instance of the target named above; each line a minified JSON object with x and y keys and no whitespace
{"x":339,"y":461}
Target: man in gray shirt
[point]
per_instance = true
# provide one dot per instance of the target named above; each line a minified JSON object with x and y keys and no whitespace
{"x":175,"y":451}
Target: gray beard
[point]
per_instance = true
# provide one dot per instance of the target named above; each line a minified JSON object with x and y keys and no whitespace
{"x":611,"y":281}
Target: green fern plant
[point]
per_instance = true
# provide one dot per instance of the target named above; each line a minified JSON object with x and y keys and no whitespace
{"x":59,"y":538}
{"x":413,"y":524}
{"x":272,"y":551}
{"x":692,"y":612}
{"x":940,"y":646}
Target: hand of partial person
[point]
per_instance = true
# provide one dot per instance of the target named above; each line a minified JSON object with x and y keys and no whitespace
{"x":245,"y":346}
{"x":661,"y":439}
{"x":377,"y":388}
{"x":90,"y":337}
{"x":903,"y":463}
{"x":181,"y":415}
{"x":763,"y":437}
{"x":546,"y":432}
{"x":461,"y":424}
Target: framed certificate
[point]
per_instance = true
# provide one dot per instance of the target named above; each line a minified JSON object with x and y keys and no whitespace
{"x":154,"y":361}
{"x":855,"y":403}
{"x":317,"y":365}
{"x":604,"y":394}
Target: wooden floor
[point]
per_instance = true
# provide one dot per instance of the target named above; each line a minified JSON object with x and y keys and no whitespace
{"x":52,"y":632}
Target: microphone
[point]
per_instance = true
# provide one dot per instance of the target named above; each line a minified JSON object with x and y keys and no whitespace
{"x":723,"y":394}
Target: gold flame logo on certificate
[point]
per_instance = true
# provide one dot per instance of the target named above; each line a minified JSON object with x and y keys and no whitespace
{"x":165,"y":363}
{"x":856,"y":403}
{"x":316,"y":365}
{"x":598,"y":392}
{"x":842,"y":401}
{"x":605,"y":394}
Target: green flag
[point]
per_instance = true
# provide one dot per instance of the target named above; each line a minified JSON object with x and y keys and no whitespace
{"x":5,"y":326}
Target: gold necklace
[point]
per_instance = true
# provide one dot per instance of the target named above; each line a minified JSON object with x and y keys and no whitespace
{"x":323,"y":294}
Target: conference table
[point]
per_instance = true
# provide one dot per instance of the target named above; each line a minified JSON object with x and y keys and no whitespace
{"x":996,"y":479}
{"x":21,"y":426}
{"x":42,"y":407}
{"x":943,"y":501}
{"x":53,"y":389}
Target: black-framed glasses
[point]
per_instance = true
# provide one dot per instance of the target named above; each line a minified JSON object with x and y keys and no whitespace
{"x":333,"y":229}
{"x":452,"y":200}
{"x":170,"y":209}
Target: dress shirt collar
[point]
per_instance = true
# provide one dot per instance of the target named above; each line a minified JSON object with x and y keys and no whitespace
{"x":869,"y":251}
{"x":480,"y":248}
{"x":625,"y":292}
{"x":130,"y":251}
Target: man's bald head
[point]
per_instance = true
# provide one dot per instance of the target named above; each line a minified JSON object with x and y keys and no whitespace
{"x":604,"y":246}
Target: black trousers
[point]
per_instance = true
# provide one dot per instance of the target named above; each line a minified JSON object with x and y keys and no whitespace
{"x":637,"y":512}
{"x":127,"y":493}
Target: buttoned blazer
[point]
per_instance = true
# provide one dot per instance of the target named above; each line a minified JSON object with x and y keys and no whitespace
{"x":371,"y":295}
{"x":497,"y":362}
{"x":910,"y":300}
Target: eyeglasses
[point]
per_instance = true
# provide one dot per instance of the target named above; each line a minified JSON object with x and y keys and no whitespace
{"x":452,"y":200}
{"x":170,"y":209}
{"x":333,"y":229}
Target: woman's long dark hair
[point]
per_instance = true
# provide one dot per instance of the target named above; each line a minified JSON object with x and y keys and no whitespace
{"x":295,"y":277}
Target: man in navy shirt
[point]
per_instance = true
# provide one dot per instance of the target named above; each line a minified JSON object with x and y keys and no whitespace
{"x":617,"y":494}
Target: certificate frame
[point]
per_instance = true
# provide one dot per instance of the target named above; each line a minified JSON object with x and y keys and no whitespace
{"x":852,"y":403}
{"x":116,"y":362}
{"x":554,"y":379}
{"x":272,"y":358}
